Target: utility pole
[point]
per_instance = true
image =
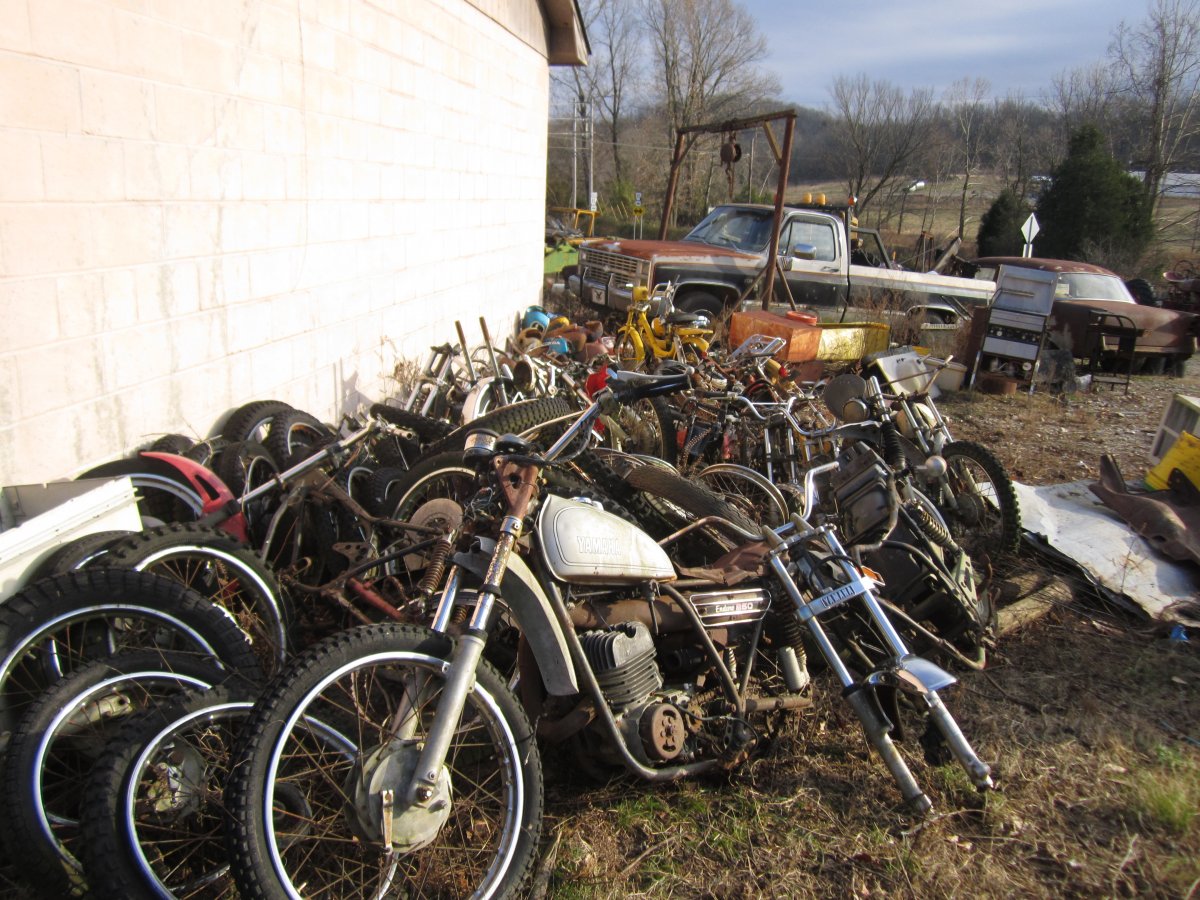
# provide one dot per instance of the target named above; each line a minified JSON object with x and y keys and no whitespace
{"x":574,"y":159}
{"x":585,"y":109}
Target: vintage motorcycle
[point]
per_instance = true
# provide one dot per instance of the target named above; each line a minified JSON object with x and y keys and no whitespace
{"x":398,"y":759}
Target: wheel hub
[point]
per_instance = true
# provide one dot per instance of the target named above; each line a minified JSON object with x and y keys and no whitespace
{"x":971,"y":508}
{"x":442,"y":513}
{"x":381,"y":811}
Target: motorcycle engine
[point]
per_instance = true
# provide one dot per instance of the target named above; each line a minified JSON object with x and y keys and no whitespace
{"x":860,"y":490}
{"x":624,"y":664}
{"x":915,"y":542}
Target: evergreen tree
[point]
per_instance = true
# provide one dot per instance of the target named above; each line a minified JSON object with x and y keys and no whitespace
{"x":1092,"y":210}
{"x":1000,"y":227}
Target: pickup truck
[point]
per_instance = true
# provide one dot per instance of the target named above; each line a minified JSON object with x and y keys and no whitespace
{"x":829,"y":265}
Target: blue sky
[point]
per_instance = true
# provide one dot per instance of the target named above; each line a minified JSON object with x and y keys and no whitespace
{"x":1017,"y":45}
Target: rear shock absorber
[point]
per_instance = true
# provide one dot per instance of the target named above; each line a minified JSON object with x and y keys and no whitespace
{"x":436,"y":568}
{"x":928,"y":523}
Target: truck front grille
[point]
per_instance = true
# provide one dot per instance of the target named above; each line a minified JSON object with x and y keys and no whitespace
{"x":602,"y":265}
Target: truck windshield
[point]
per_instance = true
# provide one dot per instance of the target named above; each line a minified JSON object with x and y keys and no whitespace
{"x":746,"y":230}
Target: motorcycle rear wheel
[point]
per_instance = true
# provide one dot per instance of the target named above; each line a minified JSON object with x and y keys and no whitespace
{"x":296,"y":823}
{"x":989,"y":520}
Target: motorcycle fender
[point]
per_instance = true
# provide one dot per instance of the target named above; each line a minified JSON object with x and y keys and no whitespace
{"x":470,"y":408}
{"x":531,"y":607}
{"x":911,"y":674}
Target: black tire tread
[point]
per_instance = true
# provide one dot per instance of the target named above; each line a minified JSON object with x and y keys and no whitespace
{"x":246,"y":419}
{"x":278,"y":439}
{"x":513,"y":419}
{"x":23,"y":838}
{"x":1006,"y":494}
{"x":688,"y":495}
{"x":25,"y":613}
{"x":134,"y":549}
{"x":106,"y":855}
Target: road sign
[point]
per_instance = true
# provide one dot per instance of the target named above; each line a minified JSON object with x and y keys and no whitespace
{"x":1029,"y":231}
{"x":638,"y":210}
{"x":637,"y":198}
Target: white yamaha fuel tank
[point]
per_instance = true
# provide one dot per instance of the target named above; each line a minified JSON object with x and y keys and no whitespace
{"x":583,"y":544}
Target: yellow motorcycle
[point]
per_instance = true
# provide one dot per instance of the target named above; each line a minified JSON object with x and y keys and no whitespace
{"x":654,"y":331}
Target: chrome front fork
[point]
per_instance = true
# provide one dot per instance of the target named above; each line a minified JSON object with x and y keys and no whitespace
{"x":459,"y":670}
{"x":906,"y":671}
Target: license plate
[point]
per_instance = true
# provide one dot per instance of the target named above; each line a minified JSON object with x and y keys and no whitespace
{"x":598,"y":296}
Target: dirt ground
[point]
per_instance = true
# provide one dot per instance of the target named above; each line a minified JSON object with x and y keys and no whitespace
{"x":1088,"y":716}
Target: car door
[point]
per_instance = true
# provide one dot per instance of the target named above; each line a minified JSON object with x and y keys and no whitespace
{"x":819,"y":281}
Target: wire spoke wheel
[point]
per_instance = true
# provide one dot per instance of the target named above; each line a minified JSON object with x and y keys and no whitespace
{"x":984,"y":516}
{"x":329,"y":746}
{"x":747,"y":491}
{"x":153,"y":818}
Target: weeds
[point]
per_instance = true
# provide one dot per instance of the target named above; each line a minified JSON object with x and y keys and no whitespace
{"x":1166,"y":795}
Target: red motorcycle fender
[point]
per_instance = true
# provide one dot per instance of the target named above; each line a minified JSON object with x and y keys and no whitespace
{"x":531,"y":608}
{"x":212,"y":490}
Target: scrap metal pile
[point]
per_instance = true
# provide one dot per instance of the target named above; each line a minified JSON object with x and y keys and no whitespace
{"x":329,"y":661}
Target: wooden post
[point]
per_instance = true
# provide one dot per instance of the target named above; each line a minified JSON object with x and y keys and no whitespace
{"x":785,"y":159}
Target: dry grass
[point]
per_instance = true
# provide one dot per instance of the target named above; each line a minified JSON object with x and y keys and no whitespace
{"x":1082,"y":719}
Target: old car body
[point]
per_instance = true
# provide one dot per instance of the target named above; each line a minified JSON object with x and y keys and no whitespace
{"x":1165,"y":336}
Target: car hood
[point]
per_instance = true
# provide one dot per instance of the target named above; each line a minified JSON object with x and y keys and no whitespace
{"x":668,"y":249}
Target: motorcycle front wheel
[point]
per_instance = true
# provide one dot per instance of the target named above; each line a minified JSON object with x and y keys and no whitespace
{"x":327,"y":746}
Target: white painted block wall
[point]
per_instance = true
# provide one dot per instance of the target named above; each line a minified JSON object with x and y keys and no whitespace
{"x":207,"y":203}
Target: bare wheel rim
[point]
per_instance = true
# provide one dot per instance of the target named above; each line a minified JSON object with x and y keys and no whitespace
{"x":312,"y":840}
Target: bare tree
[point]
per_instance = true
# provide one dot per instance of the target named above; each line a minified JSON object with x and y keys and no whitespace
{"x":706,"y":54}
{"x":1022,"y":143}
{"x":1157,"y":67}
{"x":1081,"y":97}
{"x":965,"y":102}
{"x":878,"y":132}
{"x":610,"y":80}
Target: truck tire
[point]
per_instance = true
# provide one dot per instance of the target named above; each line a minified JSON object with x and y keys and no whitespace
{"x":704,"y":303}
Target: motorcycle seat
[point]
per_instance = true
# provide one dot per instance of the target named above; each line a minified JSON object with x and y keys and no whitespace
{"x":679,"y":317}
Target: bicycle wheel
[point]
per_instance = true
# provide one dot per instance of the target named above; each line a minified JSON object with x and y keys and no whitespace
{"x":343,"y":724}
{"x":51,"y":628}
{"x":59,"y":740}
{"x":225,"y":571}
{"x":153,"y":820}
{"x":747,"y":491}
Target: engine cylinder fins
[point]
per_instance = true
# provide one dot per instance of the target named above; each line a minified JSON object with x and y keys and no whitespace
{"x":623,"y":662}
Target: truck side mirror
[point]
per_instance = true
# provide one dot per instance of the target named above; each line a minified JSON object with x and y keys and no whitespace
{"x":804,"y":251}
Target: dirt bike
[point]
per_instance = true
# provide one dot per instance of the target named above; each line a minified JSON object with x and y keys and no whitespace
{"x":975,"y":493}
{"x":397,"y":759}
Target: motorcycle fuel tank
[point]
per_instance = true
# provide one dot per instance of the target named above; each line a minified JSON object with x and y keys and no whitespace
{"x":582,"y":544}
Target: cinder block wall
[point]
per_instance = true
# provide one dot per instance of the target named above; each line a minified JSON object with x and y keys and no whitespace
{"x":207,"y":202}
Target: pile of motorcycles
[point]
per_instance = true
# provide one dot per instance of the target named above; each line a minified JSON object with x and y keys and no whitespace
{"x":333,"y":661}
